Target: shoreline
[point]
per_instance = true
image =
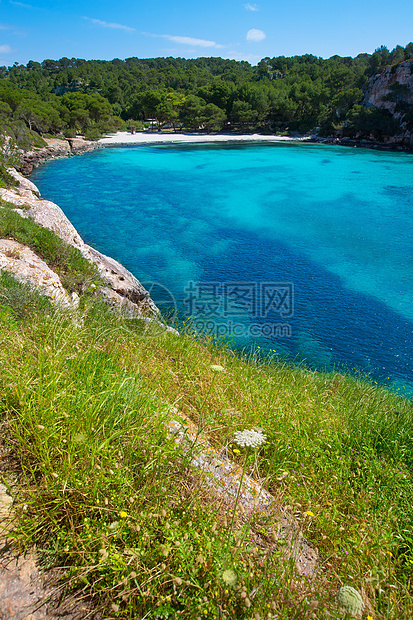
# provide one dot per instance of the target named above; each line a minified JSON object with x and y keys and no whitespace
{"x":125,"y":138}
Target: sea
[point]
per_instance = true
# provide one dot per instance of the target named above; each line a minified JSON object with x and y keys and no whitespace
{"x":299,"y":251}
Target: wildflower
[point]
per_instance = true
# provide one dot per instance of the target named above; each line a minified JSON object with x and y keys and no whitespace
{"x":217,"y":368}
{"x":236,"y":451}
{"x":309,"y":513}
{"x":123,"y":514}
{"x":229,"y":577}
{"x":370,"y":618}
{"x":250,"y":438}
{"x":351,"y":600}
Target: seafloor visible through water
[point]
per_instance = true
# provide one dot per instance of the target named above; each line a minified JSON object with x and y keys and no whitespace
{"x":302,"y":250}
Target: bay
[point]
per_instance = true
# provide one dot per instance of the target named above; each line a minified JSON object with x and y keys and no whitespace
{"x":301,"y":250}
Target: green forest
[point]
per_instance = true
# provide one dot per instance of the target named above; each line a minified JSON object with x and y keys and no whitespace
{"x":279,"y":95}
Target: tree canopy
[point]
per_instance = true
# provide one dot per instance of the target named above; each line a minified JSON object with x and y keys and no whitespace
{"x":282,"y":93}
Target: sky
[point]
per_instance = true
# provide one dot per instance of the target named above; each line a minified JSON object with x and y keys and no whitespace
{"x":106,"y":29}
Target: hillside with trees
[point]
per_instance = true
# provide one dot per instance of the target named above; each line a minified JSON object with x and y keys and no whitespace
{"x":296,"y":94}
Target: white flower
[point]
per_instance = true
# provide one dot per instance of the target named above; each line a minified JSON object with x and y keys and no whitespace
{"x":229,"y":577}
{"x":250,"y":439}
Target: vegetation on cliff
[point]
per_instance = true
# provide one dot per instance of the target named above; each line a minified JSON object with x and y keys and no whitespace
{"x":104,"y":492}
{"x":106,"y":495}
{"x":279,"y":94}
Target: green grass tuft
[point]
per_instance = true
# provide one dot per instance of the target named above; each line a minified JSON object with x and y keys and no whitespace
{"x":107,"y":494}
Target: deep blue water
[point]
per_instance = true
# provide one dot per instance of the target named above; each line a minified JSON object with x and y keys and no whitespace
{"x":302,"y":249}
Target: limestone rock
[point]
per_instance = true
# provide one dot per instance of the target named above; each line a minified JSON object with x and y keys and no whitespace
{"x":379,"y":87}
{"x":21,"y":590}
{"x":45,"y":213}
{"x":25,"y":185}
{"x":121,"y":280}
{"x":27,"y":267}
{"x":128,"y":309}
{"x":80,"y":145}
{"x":6,"y":514}
{"x":55,"y":148}
{"x":5,"y":504}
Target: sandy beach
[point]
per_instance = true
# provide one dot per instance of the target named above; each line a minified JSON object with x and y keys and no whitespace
{"x":124,"y":137}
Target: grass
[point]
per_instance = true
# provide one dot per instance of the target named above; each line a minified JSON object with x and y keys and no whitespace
{"x":109,"y":497}
{"x":19,"y":300}
{"x":75,"y":272}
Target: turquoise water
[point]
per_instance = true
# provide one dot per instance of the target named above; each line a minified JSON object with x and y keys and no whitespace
{"x":302,"y":249}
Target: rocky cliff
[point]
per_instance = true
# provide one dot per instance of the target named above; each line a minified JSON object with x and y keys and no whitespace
{"x":55,"y":148}
{"x":392,"y":90}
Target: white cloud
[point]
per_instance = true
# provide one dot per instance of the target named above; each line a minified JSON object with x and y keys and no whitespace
{"x":254,"y":35}
{"x":251,"y":7}
{"x":5,"y":49}
{"x":191,"y":41}
{"x":99,"y":22}
{"x":25,"y":6}
{"x":186,"y":40}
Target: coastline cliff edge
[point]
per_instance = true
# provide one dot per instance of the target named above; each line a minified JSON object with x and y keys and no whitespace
{"x":122,"y":289}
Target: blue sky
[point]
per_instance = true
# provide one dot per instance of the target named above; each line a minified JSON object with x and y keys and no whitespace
{"x":106,"y":29}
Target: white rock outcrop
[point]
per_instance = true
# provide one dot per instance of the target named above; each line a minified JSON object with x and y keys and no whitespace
{"x":21,"y":262}
{"x":380,"y":86}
